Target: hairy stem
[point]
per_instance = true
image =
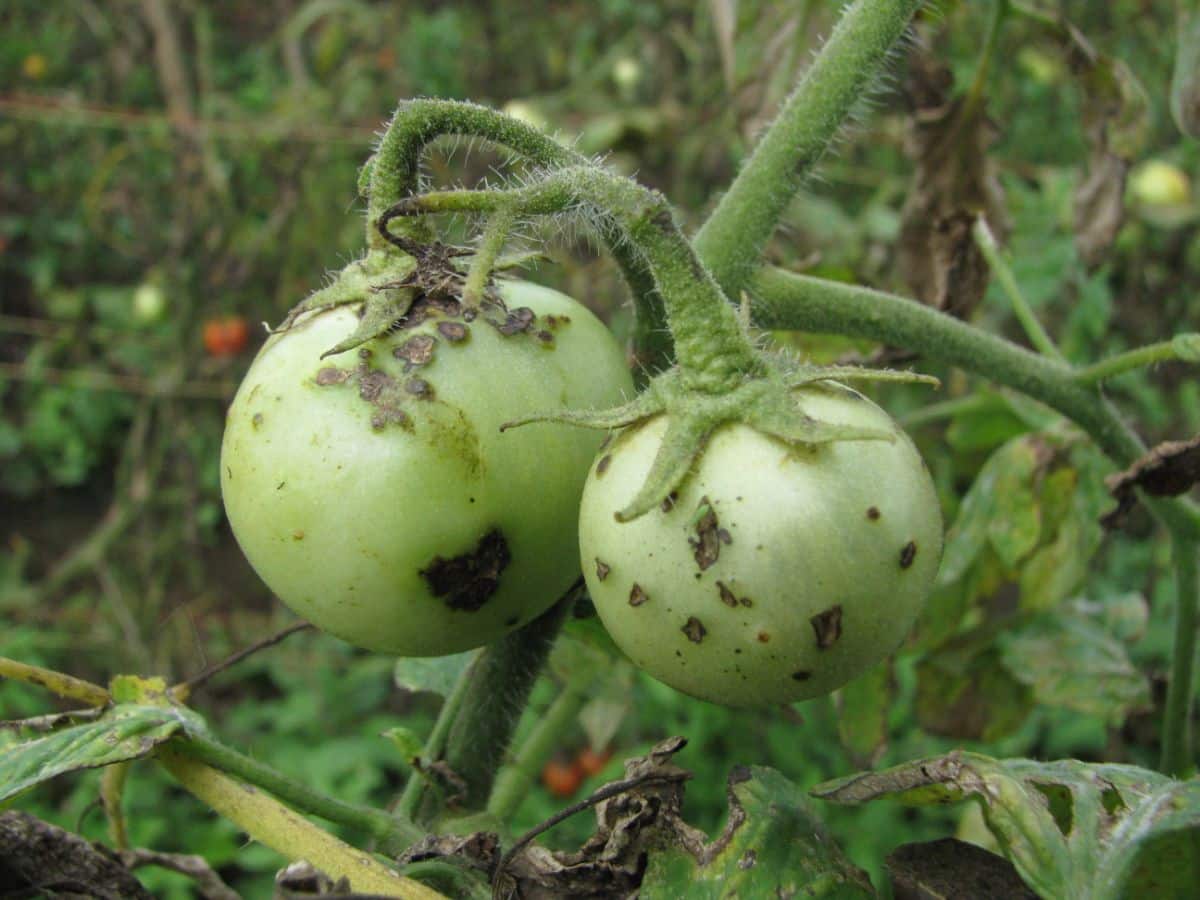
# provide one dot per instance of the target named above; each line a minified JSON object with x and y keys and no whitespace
{"x":287,"y":832}
{"x":489,"y":704}
{"x":731,"y":241}
{"x":514,"y":781}
{"x":393,"y":173}
{"x":435,"y":745}
{"x":1177,"y":725}
{"x":1139,"y":357}
{"x":393,"y":834}
{"x":491,"y":242}
{"x":714,"y":353}
{"x":986,"y":241}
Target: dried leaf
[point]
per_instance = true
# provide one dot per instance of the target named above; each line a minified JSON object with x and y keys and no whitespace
{"x":1168,"y":470}
{"x":954,"y":183}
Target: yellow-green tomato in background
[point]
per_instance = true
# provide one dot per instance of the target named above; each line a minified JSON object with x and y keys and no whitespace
{"x":774,"y":574}
{"x":374,"y":492}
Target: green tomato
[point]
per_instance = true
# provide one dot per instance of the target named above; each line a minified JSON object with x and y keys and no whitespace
{"x":774,"y":574}
{"x":374,"y":492}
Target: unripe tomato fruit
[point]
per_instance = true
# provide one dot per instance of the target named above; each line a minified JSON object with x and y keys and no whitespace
{"x":776,"y":574}
{"x":374,"y":492}
{"x":226,"y":336}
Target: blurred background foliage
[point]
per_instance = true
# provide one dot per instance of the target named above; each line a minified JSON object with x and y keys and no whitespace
{"x":175,"y":170}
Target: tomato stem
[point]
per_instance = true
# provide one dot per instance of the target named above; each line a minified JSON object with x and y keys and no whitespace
{"x":731,"y":242}
{"x":285,"y":831}
{"x":392,"y":832}
{"x":713,"y":351}
{"x":488,"y":702}
{"x":514,"y":781}
{"x":1177,"y":751}
{"x":392,"y":173}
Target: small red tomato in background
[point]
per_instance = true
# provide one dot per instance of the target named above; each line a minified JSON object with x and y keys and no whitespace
{"x":591,"y":762}
{"x":562,"y":779}
{"x":225,"y":336}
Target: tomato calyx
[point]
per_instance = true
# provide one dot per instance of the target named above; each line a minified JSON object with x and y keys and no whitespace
{"x":772,"y":404}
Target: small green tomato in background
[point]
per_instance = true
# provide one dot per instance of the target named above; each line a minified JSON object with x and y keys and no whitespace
{"x":374,"y":492}
{"x":1157,"y":183}
{"x":774,"y":574}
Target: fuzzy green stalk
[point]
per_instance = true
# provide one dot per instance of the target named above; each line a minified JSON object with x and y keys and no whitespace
{"x":713,"y":352}
{"x":287,"y":832}
{"x":435,"y":745}
{"x":490,"y":700}
{"x":789,"y":301}
{"x":731,"y":242}
{"x":1139,"y":357}
{"x":61,"y":685}
{"x":514,"y":781}
{"x":495,"y":233}
{"x":986,"y":242}
{"x":393,"y":173}
{"x":1177,"y":749}
{"x":392,"y":833}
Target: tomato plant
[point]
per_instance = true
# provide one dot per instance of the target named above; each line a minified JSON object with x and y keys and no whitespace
{"x":772,"y":574}
{"x":225,"y":336}
{"x":374,"y":491}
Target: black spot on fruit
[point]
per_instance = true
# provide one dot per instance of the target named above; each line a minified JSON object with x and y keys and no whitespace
{"x":419,"y":387}
{"x":873,"y":513}
{"x":602,"y":569}
{"x":669,"y":501}
{"x":706,"y":545}
{"x":256,"y":420}
{"x":454,"y":332}
{"x":694,"y":629}
{"x":416,"y":351}
{"x":827,"y":626}
{"x":801,"y":675}
{"x":602,"y":464}
{"x":637,"y":595}
{"x":907,"y":554}
{"x":468,"y":581}
{"x":331,"y":375}
{"x":763,"y":637}
{"x":727,"y":596}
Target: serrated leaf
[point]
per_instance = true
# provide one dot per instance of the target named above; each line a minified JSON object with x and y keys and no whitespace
{"x":125,"y":732}
{"x":432,"y":674}
{"x":1072,"y":662}
{"x":863,"y":707}
{"x":774,"y":846}
{"x":1072,"y":830}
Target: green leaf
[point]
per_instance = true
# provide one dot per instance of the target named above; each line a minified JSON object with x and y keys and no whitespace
{"x":862,"y":707}
{"x":964,"y":691}
{"x":773,"y":846}
{"x":1072,"y":662}
{"x":1072,"y":830}
{"x":1015,"y":524}
{"x":432,"y":674}
{"x":125,"y":732}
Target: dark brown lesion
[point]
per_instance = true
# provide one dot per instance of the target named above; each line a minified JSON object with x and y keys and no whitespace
{"x":602,"y":464}
{"x":694,"y":629}
{"x":416,"y":351}
{"x":873,"y":513}
{"x":466,"y":582}
{"x":727,"y":596}
{"x":801,"y":675}
{"x":908,"y":553}
{"x":706,"y":545}
{"x":637,"y":595}
{"x":454,"y":332}
{"x":827,"y":626}
{"x":602,"y":569}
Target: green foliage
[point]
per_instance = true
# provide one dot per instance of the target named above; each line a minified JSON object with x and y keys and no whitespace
{"x":1071,"y":829}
